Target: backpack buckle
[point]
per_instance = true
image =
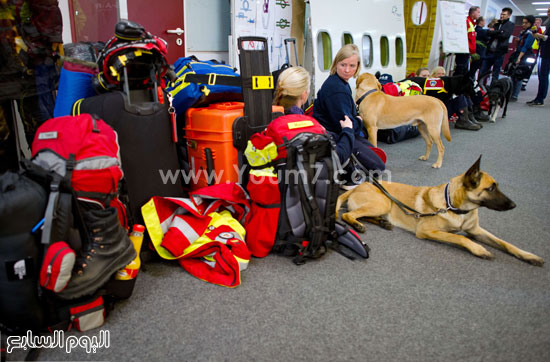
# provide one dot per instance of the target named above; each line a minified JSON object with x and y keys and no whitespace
{"x":262,"y":82}
{"x":212,"y":78}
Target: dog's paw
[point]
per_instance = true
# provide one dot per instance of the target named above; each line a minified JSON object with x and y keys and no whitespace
{"x":533,"y":259}
{"x":436,"y":165}
{"x":423,"y":158}
{"x":481,"y":252}
{"x":359,"y":227}
{"x":385,"y":224}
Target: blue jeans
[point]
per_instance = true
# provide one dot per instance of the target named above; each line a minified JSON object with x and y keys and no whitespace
{"x":544,"y":69}
{"x":492,"y":60}
{"x":516,"y":87}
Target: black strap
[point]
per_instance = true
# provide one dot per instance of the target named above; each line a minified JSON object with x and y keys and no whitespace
{"x":214,"y":79}
{"x":313,"y":249}
{"x":407,"y":210}
{"x":269,"y":206}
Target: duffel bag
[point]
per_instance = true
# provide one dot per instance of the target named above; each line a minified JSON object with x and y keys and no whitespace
{"x":203,"y":82}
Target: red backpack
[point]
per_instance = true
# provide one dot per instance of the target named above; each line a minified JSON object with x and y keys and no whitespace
{"x":283,"y":129}
{"x":85,"y":151}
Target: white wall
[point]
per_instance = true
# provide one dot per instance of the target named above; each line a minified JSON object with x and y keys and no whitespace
{"x":376,"y":18}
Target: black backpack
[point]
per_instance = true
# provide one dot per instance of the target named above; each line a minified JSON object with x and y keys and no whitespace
{"x":309,"y":189}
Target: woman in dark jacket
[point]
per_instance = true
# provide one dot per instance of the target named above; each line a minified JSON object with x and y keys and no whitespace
{"x":335,"y":102}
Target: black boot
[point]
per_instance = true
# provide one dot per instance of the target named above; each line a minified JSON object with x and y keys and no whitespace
{"x":472,"y":118}
{"x":107,"y":250}
{"x":480,"y":114}
{"x":464,"y":123}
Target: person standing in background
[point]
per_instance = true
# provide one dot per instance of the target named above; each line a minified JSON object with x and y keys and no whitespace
{"x":524,"y":51}
{"x":497,"y":45}
{"x":535,"y":29}
{"x":544,"y":65}
{"x":481,"y":46}
{"x":463,"y":60}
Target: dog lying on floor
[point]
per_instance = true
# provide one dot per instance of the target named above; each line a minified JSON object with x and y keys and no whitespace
{"x":453,"y":207}
{"x":499,"y":94}
{"x":382,"y":111}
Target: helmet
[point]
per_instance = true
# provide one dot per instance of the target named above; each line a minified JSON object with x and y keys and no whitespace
{"x":139,"y":54}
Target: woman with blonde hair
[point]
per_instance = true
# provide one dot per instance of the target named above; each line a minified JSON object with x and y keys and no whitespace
{"x":423,"y":72}
{"x":335,"y":102}
{"x":438,"y":72}
{"x":292,"y":89}
{"x":292,"y":93}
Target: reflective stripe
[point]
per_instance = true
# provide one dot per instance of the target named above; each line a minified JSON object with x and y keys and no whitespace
{"x":225,"y":218}
{"x":96,"y":163}
{"x":52,"y":161}
{"x":211,"y":264}
{"x":264,"y":172}
{"x":243,"y":263}
{"x":154,"y":229}
{"x":257,"y":157}
{"x":185,"y":229}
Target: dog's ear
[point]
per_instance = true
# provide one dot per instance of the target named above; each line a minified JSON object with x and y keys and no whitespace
{"x":377,"y":75}
{"x":379,"y":85}
{"x":472,"y":177}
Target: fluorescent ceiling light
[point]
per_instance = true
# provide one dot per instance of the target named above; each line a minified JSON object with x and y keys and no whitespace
{"x":541,"y":9}
{"x":542,"y":13}
{"x":542,"y":3}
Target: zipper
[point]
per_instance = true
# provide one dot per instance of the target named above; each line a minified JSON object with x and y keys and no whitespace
{"x":49,"y":269}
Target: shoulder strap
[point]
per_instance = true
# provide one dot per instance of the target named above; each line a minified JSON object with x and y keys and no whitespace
{"x":213,"y":79}
{"x":316,"y":246}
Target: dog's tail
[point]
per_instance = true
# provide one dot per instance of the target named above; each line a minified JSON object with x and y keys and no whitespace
{"x":341,"y":199}
{"x":445,"y":122}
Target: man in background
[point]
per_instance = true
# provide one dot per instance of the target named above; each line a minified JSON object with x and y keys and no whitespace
{"x":544,"y":65}
{"x":497,"y":47}
{"x":463,"y":60}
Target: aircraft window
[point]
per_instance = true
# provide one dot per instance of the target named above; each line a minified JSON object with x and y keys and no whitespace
{"x":367,"y":51}
{"x":324,"y":50}
{"x":398,"y":51}
{"x":419,"y":13}
{"x":347,"y":38}
{"x":384,"y":51}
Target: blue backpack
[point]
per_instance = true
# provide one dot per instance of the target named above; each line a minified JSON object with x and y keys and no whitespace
{"x":203,"y":82}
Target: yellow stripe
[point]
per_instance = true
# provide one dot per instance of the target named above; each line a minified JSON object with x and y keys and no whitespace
{"x":100,"y":82}
{"x":152,"y":222}
{"x":76,"y":107}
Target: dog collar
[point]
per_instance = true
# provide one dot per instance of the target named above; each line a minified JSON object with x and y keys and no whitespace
{"x":450,"y":205}
{"x":364,"y":95}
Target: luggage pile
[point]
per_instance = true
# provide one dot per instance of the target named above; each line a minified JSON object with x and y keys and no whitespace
{"x":111,"y":161}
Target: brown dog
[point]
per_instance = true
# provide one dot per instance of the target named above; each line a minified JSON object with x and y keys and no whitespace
{"x":465,"y":194}
{"x":382,"y":111}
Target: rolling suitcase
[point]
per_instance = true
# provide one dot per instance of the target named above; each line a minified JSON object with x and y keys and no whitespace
{"x":147,"y":148}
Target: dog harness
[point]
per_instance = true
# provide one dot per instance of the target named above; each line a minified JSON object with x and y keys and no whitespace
{"x":434,"y":84}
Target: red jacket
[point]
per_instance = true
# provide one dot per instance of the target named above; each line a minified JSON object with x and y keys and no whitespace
{"x":471,"y":28}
